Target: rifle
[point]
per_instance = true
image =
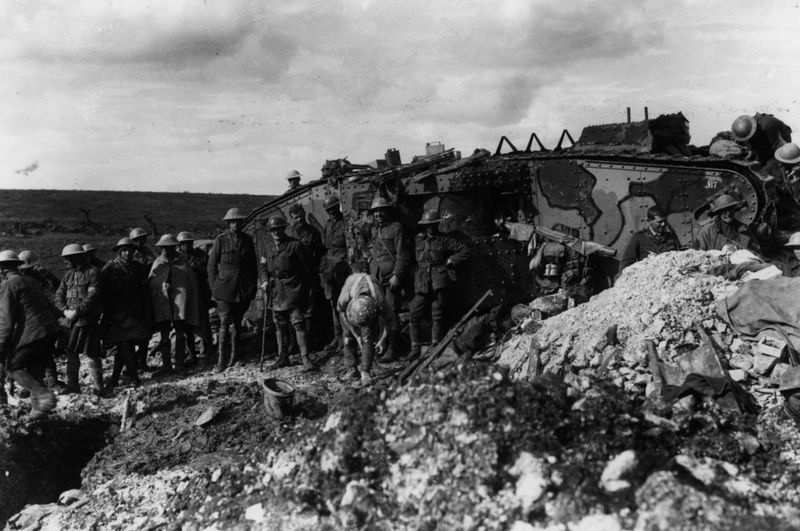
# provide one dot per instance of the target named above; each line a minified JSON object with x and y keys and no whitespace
{"x":264,"y":324}
{"x":432,"y":355}
{"x":583,"y":247}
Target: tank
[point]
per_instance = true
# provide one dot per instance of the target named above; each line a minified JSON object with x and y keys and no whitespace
{"x":597,"y":189}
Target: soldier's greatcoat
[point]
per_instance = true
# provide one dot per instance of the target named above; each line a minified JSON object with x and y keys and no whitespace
{"x":25,"y":314}
{"x":126,"y":304}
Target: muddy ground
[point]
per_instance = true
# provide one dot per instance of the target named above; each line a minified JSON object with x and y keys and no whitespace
{"x":481,"y":446}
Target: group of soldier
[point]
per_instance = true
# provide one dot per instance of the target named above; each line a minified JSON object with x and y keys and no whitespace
{"x":765,"y":142}
{"x":364,"y":298}
{"x":116,"y":307}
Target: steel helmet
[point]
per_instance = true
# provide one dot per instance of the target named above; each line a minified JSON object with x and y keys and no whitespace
{"x":552,"y":270}
{"x":379,"y":202}
{"x":429,"y":217}
{"x":87,"y":247}
{"x":29,"y":259}
{"x":72,"y":249}
{"x":276,"y":222}
{"x":330,"y":202}
{"x":233,"y":214}
{"x":794,"y":240}
{"x":788,"y":153}
{"x":167,"y":240}
{"x":744,"y":127}
{"x":362,"y":310}
{"x":724,"y":202}
{"x":137,"y":232}
{"x":186,"y":236}
{"x":293,"y":174}
{"x":7,"y":256}
{"x":790,"y":379}
{"x":124,"y":242}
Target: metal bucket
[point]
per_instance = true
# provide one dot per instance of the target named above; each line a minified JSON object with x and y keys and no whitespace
{"x":278,"y":397}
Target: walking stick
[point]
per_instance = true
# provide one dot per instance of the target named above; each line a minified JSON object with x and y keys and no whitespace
{"x":263,"y":335}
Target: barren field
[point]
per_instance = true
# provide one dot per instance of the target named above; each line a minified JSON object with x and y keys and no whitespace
{"x":46,"y":220}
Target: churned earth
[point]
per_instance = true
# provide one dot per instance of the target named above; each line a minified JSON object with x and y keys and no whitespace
{"x":582,"y":443}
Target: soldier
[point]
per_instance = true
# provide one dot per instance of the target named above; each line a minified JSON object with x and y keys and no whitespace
{"x":144,"y":255}
{"x":294,"y":180}
{"x":725,"y":229}
{"x":78,"y":299}
{"x":232,"y":275}
{"x":28,"y":331}
{"x":762,"y":134}
{"x":556,"y":268}
{"x":437,"y":257}
{"x":792,"y":266}
{"x":311,"y":239}
{"x":656,"y":238}
{"x":286,"y":278}
{"x":126,"y":310}
{"x":175,"y":298}
{"x":90,"y":249}
{"x":366,"y":318}
{"x":390,"y":260}
{"x":48,"y":282}
{"x":334,"y":269}
{"x":198,"y":260}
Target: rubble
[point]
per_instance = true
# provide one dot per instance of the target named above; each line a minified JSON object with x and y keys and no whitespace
{"x":481,"y":446}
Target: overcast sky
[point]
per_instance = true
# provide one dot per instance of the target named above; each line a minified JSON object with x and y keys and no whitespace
{"x":227,"y":96}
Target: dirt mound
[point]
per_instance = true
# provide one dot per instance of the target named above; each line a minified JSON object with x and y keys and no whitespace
{"x":471,"y":449}
{"x":660,"y":298}
{"x":165,"y":436}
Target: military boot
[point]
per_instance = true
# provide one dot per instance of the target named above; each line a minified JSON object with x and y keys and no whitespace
{"x":392,"y":352}
{"x":209,"y":352}
{"x":180,"y":350}
{"x":302,"y":343}
{"x":191,"y":348}
{"x":414,"y":334}
{"x":42,"y":399}
{"x":437,"y":330}
{"x":96,"y":370}
{"x":222,"y":339}
{"x":283,"y":350}
{"x":116,"y":371}
{"x":336,"y":343}
{"x":166,"y":362}
{"x":366,"y":378}
{"x":129,"y":360}
{"x":73,"y":367}
{"x":234,"y":349}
